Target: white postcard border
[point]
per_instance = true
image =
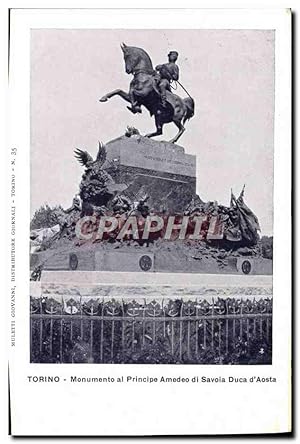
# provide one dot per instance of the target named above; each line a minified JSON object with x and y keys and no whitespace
{"x":145,"y":409}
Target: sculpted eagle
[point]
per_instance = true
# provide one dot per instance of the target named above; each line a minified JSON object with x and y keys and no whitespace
{"x":85,"y":159}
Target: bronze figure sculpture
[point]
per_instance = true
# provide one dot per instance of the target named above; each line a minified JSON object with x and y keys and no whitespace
{"x":152,"y":89}
{"x":96,"y":187}
{"x":168,"y":72}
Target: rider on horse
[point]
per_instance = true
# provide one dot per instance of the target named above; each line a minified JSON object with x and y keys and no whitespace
{"x":167,"y":73}
{"x":152,"y":89}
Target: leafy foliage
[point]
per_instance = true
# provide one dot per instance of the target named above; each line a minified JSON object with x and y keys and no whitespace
{"x":241,"y":338}
{"x":46,"y":217}
{"x":267,"y":246}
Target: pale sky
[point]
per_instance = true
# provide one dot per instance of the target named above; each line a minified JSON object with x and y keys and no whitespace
{"x":229,"y":73}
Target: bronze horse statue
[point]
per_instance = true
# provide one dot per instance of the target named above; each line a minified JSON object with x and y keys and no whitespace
{"x":144,"y":91}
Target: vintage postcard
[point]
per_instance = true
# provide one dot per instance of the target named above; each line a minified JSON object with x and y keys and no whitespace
{"x":151,"y":172}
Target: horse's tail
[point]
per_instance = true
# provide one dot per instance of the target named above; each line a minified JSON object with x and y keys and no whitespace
{"x":190,"y":108}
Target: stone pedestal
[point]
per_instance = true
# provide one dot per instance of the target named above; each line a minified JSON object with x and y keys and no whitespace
{"x":161,"y":170}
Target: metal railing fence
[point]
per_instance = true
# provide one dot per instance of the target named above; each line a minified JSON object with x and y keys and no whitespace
{"x":215,"y":331}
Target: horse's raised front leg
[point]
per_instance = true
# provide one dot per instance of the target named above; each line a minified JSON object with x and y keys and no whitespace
{"x":180,"y":132}
{"x":116,"y":92}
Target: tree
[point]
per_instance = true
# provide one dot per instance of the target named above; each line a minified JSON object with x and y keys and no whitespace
{"x":267,"y":246}
{"x":46,"y":217}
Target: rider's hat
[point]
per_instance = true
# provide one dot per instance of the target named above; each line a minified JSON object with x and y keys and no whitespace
{"x":173,"y":53}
